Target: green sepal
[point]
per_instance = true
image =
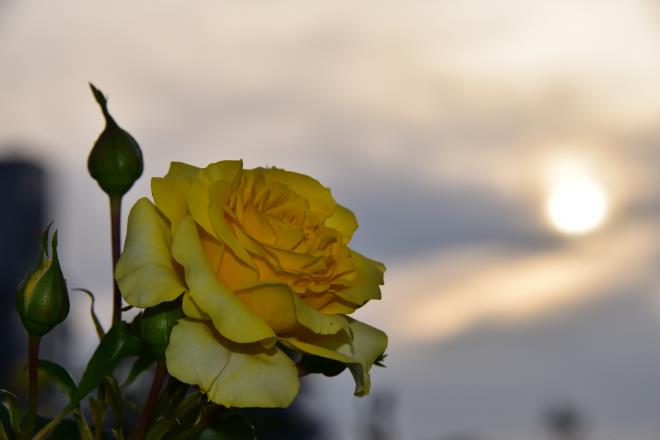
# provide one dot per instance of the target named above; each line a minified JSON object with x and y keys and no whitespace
{"x":118,"y":344}
{"x":13,"y":407}
{"x":95,"y":319}
{"x":59,"y":376}
{"x":116,"y":159}
{"x":310,"y":364}
{"x":156,"y":325}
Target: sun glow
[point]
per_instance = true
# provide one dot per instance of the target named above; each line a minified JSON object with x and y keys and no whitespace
{"x":576,"y":204}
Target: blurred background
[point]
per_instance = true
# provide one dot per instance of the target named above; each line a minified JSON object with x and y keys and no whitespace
{"x":502,"y":159}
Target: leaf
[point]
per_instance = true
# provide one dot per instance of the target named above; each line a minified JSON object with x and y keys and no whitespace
{"x":5,"y":424}
{"x":159,"y":429}
{"x":65,"y":430}
{"x":141,"y":365}
{"x":3,"y":433}
{"x":10,"y":402}
{"x":116,"y":402}
{"x":97,"y":324}
{"x":84,"y":431}
{"x":233,"y":427}
{"x":118,"y":344}
{"x":58,"y":375}
{"x":98,"y":414}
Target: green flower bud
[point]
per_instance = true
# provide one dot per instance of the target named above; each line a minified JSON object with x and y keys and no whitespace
{"x":156,"y":324}
{"x":42,"y":299}
{"x":116,"y":159}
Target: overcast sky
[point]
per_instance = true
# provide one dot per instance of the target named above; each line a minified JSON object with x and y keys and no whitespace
{"x":438,"y":123}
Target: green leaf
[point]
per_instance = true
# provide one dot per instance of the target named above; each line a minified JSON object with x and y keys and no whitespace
{"x":97,"y":324}
{"x":98,"y":414}
{"x":233,"y":427}
{"x":116,"y":402}
{"x":173,"y":397}
{"x":162,"y":427}
{"x":142,"y":364}
{"x":5,"y":424}
{"x":65,"y":430}
{"x":58,"y":375}
{"x":84,"y":431}
{"x":3,"y":433}
{"x":118,"y":344}
{"x":10,"y":402}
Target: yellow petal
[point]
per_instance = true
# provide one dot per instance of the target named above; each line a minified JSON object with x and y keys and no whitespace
{"x":366,"y":284}
{"x":230,"y":316}
{"x":219,"y":192}
{"x":359,"y":353}
{"x":319,"y":197}
{"x":145,"y":271}
{"x":234,"y":273}
{"x":191,"y":310}
{"x":233,"y":375}
{"x":283,"y":310}
{"x":198,"y":196}
{"x":344,"y":221}
{"x":170,"y":195}
{"x":182,"y":170}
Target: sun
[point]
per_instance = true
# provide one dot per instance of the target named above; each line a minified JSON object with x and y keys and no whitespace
{"x":576,"y":204}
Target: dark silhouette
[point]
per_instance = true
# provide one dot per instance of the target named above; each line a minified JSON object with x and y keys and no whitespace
{"x":22,"y":186}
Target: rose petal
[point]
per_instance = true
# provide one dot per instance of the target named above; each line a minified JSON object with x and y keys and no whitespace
{"x":320,"y":198}
{"x":230,"y":316}
{"x":219,"y":192}
{"x":344,"y":221}
{"x":233,"y":375}
{"x":234,"y":273}
{"x":359,"y":354}
{"x":283,"y":310}
{"x":145,"y":271}
{"x":366,"y":284}
{"x":199,"y":197}
{"x":192,"y":310}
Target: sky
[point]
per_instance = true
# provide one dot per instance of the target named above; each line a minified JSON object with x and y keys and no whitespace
{"x":443,"y":125}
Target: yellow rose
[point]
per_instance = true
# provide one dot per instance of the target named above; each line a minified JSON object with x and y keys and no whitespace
{"x":261,"y":257}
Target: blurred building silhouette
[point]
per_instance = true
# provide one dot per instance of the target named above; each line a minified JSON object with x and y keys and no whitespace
{"x":564,"y":422}
{"x":22,"y":191}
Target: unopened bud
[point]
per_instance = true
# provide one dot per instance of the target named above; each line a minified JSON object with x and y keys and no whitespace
{"x":116,"y":159}
{"x":42,"y":299}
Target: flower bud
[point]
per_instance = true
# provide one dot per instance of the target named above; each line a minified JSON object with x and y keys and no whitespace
{"x":116,"y":159}
{"x":156,"y":324}
{"x":42,"y":299}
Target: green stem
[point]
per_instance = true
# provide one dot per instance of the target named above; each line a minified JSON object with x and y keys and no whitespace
{"x":50,"y":427}
{"x":115,"y":221}
{"x":33,"y":383}
{"x":150,"y":405}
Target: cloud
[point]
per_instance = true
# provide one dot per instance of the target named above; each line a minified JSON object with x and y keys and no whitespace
{"x":495,"y":285}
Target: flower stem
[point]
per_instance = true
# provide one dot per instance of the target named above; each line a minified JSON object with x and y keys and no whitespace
{"x":33,"y":383}
{"x":150,"y":405}
{"x":115,"y":221}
